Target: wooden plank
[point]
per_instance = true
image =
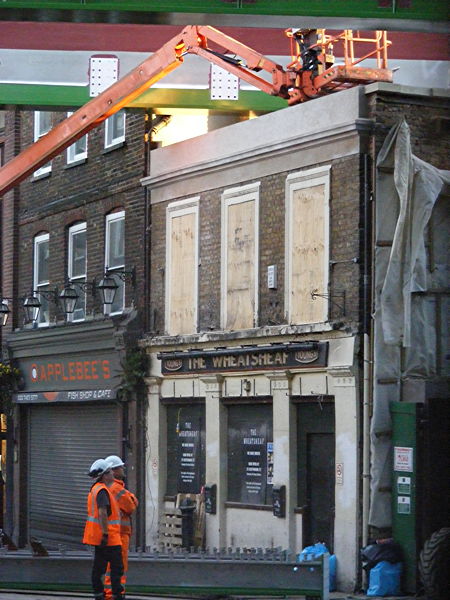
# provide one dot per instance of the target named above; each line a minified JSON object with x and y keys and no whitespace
{"x":183,"y":270}
{"x":240,"y":265}
{"x":308,"y":244}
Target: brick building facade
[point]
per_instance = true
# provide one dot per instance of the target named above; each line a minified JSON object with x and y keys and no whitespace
{"x":255,"y":250}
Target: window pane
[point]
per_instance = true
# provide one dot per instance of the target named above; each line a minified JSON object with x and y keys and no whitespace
{"x":44,"y":122}
{"x":78,"y":254}
{"x":79,"y":312}
{"x":185,"y":448}
{"x":119,"y":298}
{"x":118,"y":125}
{"x":44,"y":312}
{"x":116,"y":243}
{"x":250,"y":452}
{"x":42,"y":249}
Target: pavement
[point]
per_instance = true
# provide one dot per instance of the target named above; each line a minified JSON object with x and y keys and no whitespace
{"x":26,"y":595}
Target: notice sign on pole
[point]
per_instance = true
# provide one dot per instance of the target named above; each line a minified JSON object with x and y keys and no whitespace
{"x":404,"y":505}
{"x":403,"y":459}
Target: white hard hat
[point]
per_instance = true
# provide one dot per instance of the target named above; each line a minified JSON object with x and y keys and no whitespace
{"x":99,"y":467}
{"x":114,"y":461}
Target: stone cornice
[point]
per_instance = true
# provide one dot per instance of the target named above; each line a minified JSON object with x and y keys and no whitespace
{"x":306,"y":142}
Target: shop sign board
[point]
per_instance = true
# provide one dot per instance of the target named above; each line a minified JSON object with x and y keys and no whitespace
{"x":255,"y":358}
{"x":71,"y":372}
{"x":65,"y":396}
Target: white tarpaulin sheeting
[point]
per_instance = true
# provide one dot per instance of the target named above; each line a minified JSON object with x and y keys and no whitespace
{"x":406,"y":192}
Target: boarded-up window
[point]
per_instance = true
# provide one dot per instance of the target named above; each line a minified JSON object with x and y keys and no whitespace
{"x":307,"y":245}
{"x":240,"y":258}
{"x":182,"y":273}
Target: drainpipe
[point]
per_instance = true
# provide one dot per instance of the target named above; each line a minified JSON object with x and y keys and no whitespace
{"x":367,"y":349}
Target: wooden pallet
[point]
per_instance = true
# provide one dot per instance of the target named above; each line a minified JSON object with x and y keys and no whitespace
{"x":170,"y":529}
{"x":170,"y":534}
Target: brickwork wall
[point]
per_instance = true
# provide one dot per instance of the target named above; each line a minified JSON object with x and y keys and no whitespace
{"x":344,"y":246}
{"x":8,"y":222}
{"x":427,"y":119}
{"x":106,"y":181}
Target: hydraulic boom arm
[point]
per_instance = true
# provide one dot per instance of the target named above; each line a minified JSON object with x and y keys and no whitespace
{"x":308,"y":76}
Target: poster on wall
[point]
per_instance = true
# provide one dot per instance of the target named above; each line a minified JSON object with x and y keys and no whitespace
{"x":189,"y":455}
{"x":254,"y":457}
{"x":269,"y":463}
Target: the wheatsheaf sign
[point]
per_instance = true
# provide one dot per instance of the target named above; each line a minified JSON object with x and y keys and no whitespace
{"x":255,"y":358}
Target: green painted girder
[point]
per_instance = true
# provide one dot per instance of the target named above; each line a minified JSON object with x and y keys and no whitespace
{"x":65,"y":97}
{"x":428,"y":10}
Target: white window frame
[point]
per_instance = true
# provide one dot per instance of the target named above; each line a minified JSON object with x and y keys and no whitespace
{"x":111,"y":141}
{"x":238,"y":195}
{"x":39,"y":239}
{"x":38,"y":133}
{"x":176,"y":209}
{"x":303,"y":180}
{"x":72,"y":155}
{"x":115,"y":216}
{"x":73,"y":230}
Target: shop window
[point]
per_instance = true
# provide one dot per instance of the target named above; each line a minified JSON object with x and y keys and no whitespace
{"x":115,"y":256}
{"x":182,"y":257}
{"x":185,"y":448}
{"x":77,"y":152}
{"x":240,"y":208}
{"x":42,"y":125}
{"x":307,"y":242}
{"x":316,"y":469}
{"x":41,"y":277}
{"x":115,"y":129}
{"x":250,"y":454}
{"x":77,"y":268}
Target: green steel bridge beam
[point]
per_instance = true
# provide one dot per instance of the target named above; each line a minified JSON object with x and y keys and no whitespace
{"x":412,"y":15}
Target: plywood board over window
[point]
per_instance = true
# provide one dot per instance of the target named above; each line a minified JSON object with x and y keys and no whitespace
{"x":240,"y":257}
{"x":182,"y":267}
{"x":307,"y":245}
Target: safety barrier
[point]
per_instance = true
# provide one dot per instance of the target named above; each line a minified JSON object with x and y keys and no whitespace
{"x":229,"y":571}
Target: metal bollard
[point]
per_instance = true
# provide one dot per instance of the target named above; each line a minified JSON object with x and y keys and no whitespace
{"x":187,"y":523}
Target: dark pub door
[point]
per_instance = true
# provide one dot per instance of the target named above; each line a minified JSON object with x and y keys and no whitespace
{"x":316,"y":470}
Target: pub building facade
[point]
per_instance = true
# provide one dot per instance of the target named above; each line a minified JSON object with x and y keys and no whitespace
{"x":255,"y":385}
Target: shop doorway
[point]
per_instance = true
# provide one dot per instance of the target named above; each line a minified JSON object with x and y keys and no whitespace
{"x":316,"y":470}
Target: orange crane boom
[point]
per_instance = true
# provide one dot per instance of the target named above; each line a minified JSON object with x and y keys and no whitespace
{"x":308,"y":76}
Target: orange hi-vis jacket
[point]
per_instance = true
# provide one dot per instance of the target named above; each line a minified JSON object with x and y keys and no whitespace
{"x":127,"y":503}
{"x":93,"y":530}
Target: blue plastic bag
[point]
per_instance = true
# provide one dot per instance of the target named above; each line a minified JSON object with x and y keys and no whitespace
{"x":384,"y":579}
{"x":312,"y":552}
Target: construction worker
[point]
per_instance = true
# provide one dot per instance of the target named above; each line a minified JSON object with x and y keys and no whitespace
{"x":127,"y":504}
{"x":103,"y":530}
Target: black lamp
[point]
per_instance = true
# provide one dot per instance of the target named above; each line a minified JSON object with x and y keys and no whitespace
{"x":68,"y":298}
{"x":31,"y":305}
{"x":108,"y":287}
{"x":4,"y":312}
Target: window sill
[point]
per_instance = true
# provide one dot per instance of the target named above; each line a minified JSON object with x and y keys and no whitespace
{"x":266,"y":507}
{"x":42,"y":175}
{"x":113,"y":147}
{"x":75,"y":163}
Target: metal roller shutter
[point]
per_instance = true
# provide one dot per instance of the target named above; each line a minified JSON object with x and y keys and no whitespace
{"x":64,"y":442}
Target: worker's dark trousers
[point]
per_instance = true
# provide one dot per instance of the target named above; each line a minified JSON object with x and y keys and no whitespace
{"x":104,"y":555}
